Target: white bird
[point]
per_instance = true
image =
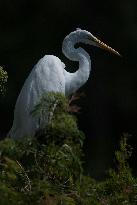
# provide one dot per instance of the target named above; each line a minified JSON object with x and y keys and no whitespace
{"x":48,"y":75}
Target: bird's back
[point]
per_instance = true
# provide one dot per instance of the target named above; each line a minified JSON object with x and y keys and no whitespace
{"x":46,"y":76}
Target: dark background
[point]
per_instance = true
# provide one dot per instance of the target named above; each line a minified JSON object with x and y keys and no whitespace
{"x":31,"y":29}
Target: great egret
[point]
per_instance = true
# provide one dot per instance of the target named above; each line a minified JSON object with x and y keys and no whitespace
{"x":49,"y":75}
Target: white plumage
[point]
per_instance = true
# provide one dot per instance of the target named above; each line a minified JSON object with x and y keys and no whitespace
{"x":49,"y":75}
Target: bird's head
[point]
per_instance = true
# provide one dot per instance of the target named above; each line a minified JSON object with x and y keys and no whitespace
{"x":87,"y":38}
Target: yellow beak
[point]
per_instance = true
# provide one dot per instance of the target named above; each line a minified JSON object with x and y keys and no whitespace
{"x":102,"y":45}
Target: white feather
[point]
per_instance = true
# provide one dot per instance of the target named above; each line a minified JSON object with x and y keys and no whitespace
{"x":46,"y":76}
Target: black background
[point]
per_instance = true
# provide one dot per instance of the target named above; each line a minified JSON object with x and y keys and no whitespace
{"x":31,"y":29}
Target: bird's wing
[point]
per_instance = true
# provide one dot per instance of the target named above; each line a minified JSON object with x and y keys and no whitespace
{"x":46,"y":76}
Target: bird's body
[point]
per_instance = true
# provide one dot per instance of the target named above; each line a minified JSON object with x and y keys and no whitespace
{"x":51,"y":68}
{"x":48,"y":75}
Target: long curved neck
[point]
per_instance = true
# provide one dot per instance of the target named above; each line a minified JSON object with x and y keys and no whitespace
{"x":75,"y":80}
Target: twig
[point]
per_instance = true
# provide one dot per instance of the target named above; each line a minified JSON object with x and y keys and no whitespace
{"x":29,"y":182}
{"x":52,"y":111}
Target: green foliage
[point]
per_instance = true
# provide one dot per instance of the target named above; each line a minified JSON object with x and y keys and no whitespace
{"x":47,"y":166}
{"x":3,"y":80}
{"x":47,"y":169}
{"x":121,"y":187}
